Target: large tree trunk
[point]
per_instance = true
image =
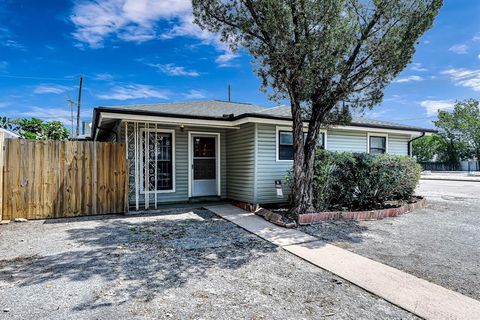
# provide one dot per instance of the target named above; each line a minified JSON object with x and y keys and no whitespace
{"x":303,"y":165}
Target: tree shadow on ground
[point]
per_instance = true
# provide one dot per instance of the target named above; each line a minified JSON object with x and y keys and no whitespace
{"x":125,"y":259}
{"x":337,"y":231}
{"x":140,"y":260}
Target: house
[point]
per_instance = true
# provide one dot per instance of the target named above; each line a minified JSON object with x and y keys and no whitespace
{"x":216,"y":149}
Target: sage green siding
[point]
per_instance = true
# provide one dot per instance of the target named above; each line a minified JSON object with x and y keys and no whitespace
{"x":248,"y":158}
{"x":241,"y":163}
{"x":347,"y":141}
{"x":181,"y":164}
{"x":398,"y":144}
{"x":268,"y":168}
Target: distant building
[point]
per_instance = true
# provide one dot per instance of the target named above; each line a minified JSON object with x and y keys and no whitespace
{"x":86,"y":128}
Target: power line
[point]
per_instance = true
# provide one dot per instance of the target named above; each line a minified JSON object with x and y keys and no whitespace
{"x":38,"y":78}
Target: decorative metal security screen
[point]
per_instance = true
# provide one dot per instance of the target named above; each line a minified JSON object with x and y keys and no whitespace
{"x":151,"y":157}
{"x":157,"y":161}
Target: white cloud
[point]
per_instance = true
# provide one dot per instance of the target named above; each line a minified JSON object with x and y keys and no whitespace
{"x":134,"y":91}
{"x":6,"y":39}
{"x":51,"y":88}
{"x":103,"y":77}
{"x":137,"y":21}
{"x":4,"y":104}
{"x":129,"y":20}
{"x":459,"y":49}
{"x":375,"y":114}
{"x":432,"y":106}
{"x":173,"y":70}
{"x":476,"y":37}
{"x":418,"y":67}
{"x":396,"y":98}
{"x":195,"y":94}
{"x":53,"y":114}
{"x":186,"y":28}
{"x":409,"y":79}
{"x":468,"y":78}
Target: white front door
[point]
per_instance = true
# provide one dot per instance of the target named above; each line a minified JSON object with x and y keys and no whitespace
{"x":204,"y":165}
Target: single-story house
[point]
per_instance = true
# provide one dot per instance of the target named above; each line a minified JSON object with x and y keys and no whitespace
{"x":184,"y":151}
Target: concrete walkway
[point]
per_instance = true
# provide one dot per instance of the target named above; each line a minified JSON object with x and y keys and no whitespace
{"x":423,"y":298}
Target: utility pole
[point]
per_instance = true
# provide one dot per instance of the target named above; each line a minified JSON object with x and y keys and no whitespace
{"x":71,"y":103}
{"x":78,"y":105}
{"x":229,"y":97}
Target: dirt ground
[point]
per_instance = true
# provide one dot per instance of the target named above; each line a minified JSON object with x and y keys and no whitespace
{"x":180,"y":264}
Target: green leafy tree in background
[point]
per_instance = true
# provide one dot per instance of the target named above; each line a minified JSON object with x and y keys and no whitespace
{"x":440,"y":148}
{"x":462,"y":125}
{"x":425,"y":149}
{"x":36,"y":129}
{"x":327,"y":57}
{"x":30,"y":128}
{"x":6,"y":123}
{"x":55,"y":130}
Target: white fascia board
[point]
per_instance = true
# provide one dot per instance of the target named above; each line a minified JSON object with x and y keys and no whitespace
{"x":169,"y":120}
{"x":236,"y":123}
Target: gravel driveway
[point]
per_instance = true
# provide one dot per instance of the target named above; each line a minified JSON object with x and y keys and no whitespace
{"x":176,"y":265}
{"x":440,"y":243}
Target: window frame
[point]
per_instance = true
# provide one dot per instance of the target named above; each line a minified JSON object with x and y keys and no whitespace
{"x":142,"y":155}
{"x":290,"y":130}
{"x":377,"y":135}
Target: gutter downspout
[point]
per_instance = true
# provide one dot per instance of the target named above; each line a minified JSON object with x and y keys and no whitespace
{"x":410,"y":143}
{"x":108,"y":130}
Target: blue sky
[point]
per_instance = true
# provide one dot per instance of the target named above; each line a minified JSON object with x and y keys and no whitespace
{"x":148,"y":51}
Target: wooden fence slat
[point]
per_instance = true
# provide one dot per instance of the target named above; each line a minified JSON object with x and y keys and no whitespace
{"x":2,"y":144}
{"x":44,"y":179}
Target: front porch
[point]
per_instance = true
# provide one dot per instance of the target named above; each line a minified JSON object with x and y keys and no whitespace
{"x":170,"y":163}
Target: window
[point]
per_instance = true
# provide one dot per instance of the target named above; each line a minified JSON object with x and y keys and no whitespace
{"x":378,"y":145}
{"x":157,"y":161}
{"x":285,"y":144}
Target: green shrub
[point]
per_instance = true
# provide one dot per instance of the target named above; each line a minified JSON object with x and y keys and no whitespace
{"x":359,"y":181}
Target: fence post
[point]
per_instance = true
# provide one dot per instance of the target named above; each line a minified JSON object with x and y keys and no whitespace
{"x":2,"y":139}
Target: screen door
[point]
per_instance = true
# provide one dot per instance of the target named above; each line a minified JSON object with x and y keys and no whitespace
{"x":204,"y":182}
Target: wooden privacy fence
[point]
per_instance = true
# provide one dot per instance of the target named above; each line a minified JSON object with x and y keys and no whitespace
{"x":53,"y":179}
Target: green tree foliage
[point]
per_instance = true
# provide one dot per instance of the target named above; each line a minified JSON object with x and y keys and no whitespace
{"x":441,"y":149}
{"x":36,"y":129}
{"x":425,"y":149}
{"x":462,"y":126}
{"x":326,"y":57}
{"x":6,"y":123}
{"x":55,"y":130}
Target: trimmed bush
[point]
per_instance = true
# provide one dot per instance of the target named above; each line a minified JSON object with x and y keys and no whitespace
{"x":359,"y":181}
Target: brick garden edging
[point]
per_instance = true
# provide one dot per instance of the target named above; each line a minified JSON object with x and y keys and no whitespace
{"x":310,"y":218}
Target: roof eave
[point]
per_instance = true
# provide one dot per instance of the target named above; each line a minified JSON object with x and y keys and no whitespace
{"x":98,"y":110}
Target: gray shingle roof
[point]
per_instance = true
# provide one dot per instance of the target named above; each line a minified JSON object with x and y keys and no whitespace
{"x":211,"y":108}
{"x":219,"y":109}
{"x":285,"y":111}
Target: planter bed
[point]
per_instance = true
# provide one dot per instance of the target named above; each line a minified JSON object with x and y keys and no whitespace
{"x":310,"y":218}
